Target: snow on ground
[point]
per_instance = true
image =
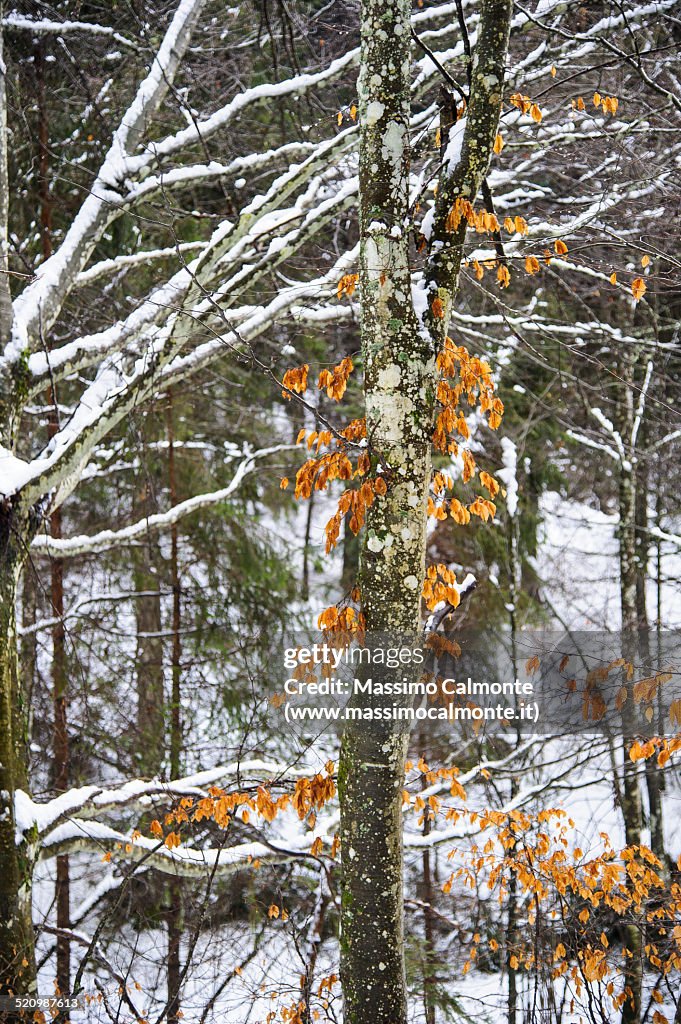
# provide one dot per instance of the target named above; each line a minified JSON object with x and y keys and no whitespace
{"x":577,"y":563}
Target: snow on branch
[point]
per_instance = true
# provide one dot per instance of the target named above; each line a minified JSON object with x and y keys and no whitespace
{"x":640,"y":408}
{"x":182,"y":860}
{"x":91,"y":801}
{"x":672,"y":538}
{"x":93,"y":348}
{"x":107,"y":539}
{"x":609,"y":428}
{"x":117,"y":388}
{"x":588,"y":442}
{"x":231,"y":244}
{"x":524,"y":797}
{"x":105,"y":268}
{"x":202,"y":130}
{"x":40,"y":303}
{"x":44,"y":26}
{"x":287,"y":301}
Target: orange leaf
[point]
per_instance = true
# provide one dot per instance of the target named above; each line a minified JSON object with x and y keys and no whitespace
{"x":295,"y":380}
{"x":503,"y":276}
{"x":347,"y":285}
{"x":638,"y":288}
{"x":532,"y":265}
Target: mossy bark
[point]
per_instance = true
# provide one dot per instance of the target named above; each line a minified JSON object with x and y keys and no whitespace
{"x":399,"y":351}
{"x":17,"y":959}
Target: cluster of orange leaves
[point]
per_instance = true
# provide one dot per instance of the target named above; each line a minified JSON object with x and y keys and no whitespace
{"x":347,"y":285}
{"x":431,"y":776}
{"x":642,"y":692}
{"x":608,"y":104}
{"x":535,"y":850}
{"x":481,"y":220}
{"x":457,"y":510}
{"x":460,"y":374}
{"x":352,"y":114}
{"x":354,"y":503}
{"x":298,"y":1012}
{"x":293,"y":1014}
{"x":473,"y":379}
{"x":660,"y":745}
{"x":335,"y":463}
{"x":334,"y":381}
{"x":638,"y":285}
{"x":526,"y":106}
{"x":342,"y":623}
{"x":578,"y":890}
{"x":440,"y":585}
{"x":308,"y":796}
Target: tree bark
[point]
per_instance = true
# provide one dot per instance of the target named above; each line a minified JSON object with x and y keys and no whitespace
{"x":60,"y":741}
{"x":150,"y":741}
{"x":174,"y":914}
{"x":399,"y":371}
{"x":5,"y":294}
{"x":399,"y":351}
{"x":632,"y":811}
{"x":61,"y":759}
{"x":17,"y":959}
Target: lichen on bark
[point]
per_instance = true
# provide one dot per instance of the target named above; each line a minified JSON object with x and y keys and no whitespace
{"x":399,"y":350}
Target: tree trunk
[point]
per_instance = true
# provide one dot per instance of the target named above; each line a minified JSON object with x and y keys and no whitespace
{"x":60,"y":742}
{"x":399,"y":371}
{"x":399,"y":352}
{"x":652,"y":771}
{"x":5,"y":294}
{"x":631,"y":793}
{"x":427,"y":893}
{"x":61,"y":760}
{"x":174,"y":914}
{"x":150,"y":740}
{"x":17,"y":959}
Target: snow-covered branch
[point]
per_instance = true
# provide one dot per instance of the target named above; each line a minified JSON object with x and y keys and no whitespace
{"x":107,"y":539}
{"x":17,"y":21}
{"x":38,"y":306}
{"x":640,"y":408}
{"x":187,"y":861}
{"x":591,"y":443}
{"x":88,"y":802}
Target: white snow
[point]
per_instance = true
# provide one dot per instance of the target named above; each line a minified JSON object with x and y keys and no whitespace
{"x":508,"y":474}
{"x":452,"y":154}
